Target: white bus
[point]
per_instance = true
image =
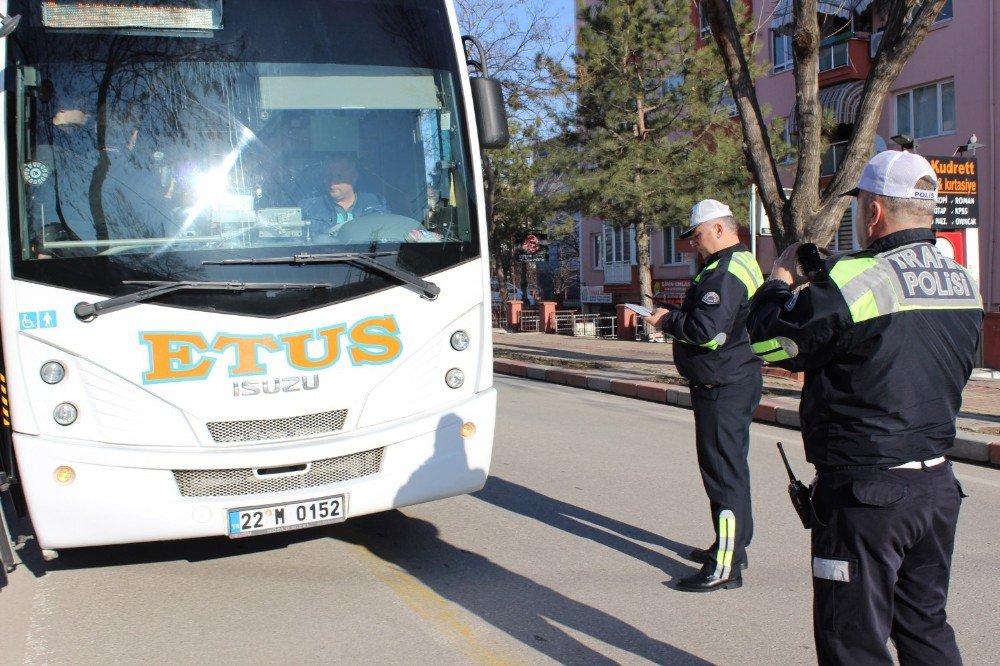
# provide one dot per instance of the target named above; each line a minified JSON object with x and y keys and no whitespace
{"x":243,"y":285}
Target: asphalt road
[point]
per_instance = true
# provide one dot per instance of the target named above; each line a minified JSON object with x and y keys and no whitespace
{"x":567,"y":555}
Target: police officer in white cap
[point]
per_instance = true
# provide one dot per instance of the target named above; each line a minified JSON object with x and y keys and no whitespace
{"x":712,"y":351}
{"x":886,"y":337}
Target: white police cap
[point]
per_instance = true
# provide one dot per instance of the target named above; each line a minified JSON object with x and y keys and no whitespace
{"x":895,"y":174}
{"x":706,"y":210}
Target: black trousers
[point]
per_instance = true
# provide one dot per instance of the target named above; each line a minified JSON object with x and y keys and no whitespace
{"x":722,"y":416}
{"x":881,"y":564}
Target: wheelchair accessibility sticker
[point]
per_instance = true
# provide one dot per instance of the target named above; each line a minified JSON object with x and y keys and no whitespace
{"x":40,"y":319}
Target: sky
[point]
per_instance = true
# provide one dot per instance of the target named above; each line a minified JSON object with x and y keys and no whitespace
{"x":564,"y":11}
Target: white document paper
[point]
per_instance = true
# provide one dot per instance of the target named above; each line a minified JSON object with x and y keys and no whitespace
{"x":638,"y":309}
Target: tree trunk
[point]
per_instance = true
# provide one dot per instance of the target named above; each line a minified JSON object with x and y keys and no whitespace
{"x":642,"y":236}
{"x":811,"y":215}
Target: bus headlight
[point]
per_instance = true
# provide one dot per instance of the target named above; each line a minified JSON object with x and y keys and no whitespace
{"x":467,"y":430}
{"x":454,"y":378}
{"x":65,"y":413}
{"x":53,"y":372}
{"x":460,"y":340}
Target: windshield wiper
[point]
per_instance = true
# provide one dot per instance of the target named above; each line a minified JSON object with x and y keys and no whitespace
{"x":368,"y":260}
{"x":88,"y":311}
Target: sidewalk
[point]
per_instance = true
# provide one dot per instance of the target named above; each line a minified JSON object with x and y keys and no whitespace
{"x":646,"y":371}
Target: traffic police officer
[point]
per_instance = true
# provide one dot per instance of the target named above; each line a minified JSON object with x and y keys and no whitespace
{"x":712,"y":351}
{"x":886,"y":337}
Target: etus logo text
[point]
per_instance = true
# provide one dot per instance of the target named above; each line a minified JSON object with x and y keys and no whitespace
{"x":178,"y":356}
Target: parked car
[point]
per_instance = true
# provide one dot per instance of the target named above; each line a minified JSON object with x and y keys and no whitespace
{"x":513,"y":293}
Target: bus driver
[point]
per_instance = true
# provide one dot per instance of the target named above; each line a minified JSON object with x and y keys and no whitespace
{"x":341,"y":203}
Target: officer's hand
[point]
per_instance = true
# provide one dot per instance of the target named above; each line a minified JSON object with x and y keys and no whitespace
{"x":655,"y":318}
{"x":786,"y":267}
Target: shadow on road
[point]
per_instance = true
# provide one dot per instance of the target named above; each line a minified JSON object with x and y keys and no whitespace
{"x":585,"y":524}
{"x":518,"y":606}
{"x":190,"y":550}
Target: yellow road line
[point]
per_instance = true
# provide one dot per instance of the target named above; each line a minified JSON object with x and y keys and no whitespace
{"x":428,"y":605}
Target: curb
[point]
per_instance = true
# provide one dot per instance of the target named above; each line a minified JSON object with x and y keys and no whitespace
{"x":970,"y":447}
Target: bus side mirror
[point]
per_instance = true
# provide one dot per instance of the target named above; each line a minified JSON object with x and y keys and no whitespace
{"x":491,"y":116}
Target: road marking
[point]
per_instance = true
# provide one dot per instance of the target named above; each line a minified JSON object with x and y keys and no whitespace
{"x":36,"y":647}
{"x":428,"y":605}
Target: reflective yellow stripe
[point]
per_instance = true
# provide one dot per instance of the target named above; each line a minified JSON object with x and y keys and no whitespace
{"x":765,"y":347}
{"x":864,"y":308}
{"x":949,"y":306}
{"x":711,"y":344}
{"x":770,"y":350}
{"x":727,"y":536}
{"x":746,"y":270}
{"x":846,"y":270}
{"x":741,"y":274}
{"x":705,"y":270}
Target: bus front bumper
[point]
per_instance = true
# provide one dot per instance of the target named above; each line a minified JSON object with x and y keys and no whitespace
{"x":131,"y":494}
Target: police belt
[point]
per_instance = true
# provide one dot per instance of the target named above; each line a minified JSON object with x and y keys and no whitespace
{"x":913,"y":464}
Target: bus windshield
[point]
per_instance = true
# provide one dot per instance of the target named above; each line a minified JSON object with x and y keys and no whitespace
{"x":158,"y":153}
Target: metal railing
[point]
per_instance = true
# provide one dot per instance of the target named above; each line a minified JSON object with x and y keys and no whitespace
{"x":570,"y":322}
{"x":646,"y":333}
{"x":530,"y":321}
{"x":566,"y":321}
{"x":499,"y":316}
{"x":618,"y":272}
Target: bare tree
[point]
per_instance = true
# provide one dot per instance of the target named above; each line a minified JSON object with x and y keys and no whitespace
{"x":809,"y":214}
{"x":517,"y":38}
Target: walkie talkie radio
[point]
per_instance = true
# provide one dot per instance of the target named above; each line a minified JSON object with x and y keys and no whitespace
{"x":798,"y":492}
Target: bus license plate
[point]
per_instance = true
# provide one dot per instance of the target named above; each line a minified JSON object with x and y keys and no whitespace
{"x":289,"y":516}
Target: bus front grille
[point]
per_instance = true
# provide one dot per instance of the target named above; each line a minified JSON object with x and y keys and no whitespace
{"x":295,"y":426}
{"x":249,"y":481}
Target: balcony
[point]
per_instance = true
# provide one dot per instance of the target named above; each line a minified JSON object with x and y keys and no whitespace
{"x":618,"y":272}
{"x":844,"y":58}
{"x":833,"y":56}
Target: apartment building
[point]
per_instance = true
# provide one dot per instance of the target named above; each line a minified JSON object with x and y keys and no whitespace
{"x":944,"y":101}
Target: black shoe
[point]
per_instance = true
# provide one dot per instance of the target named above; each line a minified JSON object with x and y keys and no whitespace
{"x":703,"y":582}
{"x":701,"y":556}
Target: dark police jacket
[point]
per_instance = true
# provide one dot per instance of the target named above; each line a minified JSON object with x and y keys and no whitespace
{"x":887,"y":340}
{"x":711,"y":346}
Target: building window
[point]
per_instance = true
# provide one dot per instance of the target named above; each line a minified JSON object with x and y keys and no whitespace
{"x":596,"y":250}
{"x":833,"y":56}
{"x":670,"y":253}
{"x":781,"y":51}
{"x":844,"y":241}
{"x":926,"y":111}
{"x":617,"y":245}
{"x":832,"y":158}
{"x":947,"y":12}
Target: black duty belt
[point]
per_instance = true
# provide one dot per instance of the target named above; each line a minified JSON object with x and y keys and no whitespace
{"x":913,"y":464}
